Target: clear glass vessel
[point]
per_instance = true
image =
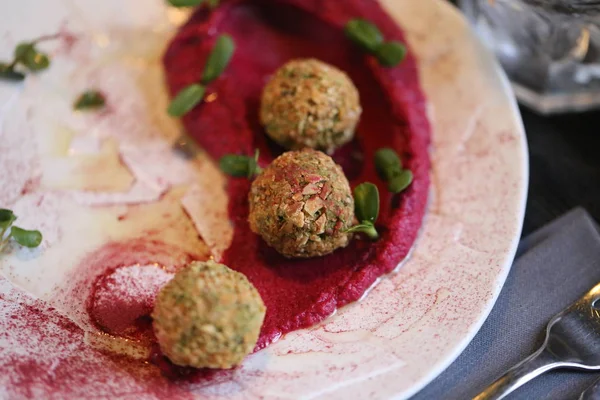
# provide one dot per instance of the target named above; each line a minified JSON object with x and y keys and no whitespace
{"x":552,"y":58}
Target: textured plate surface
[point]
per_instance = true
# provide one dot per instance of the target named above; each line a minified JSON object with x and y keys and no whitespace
{"x":399,"y":337}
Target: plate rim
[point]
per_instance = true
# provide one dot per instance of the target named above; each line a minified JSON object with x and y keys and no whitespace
{"x":454,"y":11}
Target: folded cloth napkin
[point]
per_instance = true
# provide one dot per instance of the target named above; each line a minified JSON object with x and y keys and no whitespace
{"x":554,"y":267}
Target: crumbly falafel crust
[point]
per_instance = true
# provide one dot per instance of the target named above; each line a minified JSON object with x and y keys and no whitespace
{"x":308,"y":103}
{"x":208,"y":316}
{"x":302,"y":204}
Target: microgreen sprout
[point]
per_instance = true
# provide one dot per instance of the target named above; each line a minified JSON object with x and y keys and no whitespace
{"x":9,"y":231}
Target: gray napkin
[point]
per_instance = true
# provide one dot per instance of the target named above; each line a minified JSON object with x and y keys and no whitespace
{"x":554,"y":267}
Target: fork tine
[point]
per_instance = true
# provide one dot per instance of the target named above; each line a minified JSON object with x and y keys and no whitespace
{"x":591,"y":393}
{"x":572,"y":340}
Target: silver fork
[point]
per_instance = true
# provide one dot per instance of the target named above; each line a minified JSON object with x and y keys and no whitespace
{"x":572,"y":341}
{"x":591,"y":393}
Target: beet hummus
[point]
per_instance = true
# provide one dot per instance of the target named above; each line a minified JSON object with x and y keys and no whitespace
{"x":301,"y":292}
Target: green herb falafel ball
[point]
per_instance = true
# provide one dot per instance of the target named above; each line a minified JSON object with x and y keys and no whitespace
{"x":208,"y":316}
{"x":308,"y":103}
{"x":302,"y":204}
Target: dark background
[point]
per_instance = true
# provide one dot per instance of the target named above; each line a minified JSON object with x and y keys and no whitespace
{"x":564,"y":156}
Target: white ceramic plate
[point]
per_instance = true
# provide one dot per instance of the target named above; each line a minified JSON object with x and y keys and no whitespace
{"x":410,"y":327}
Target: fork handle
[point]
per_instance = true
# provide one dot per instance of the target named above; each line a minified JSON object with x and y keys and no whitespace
{"x":536,"y":364}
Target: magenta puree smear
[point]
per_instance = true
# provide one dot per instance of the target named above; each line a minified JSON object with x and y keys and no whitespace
{"x":300,"y":293}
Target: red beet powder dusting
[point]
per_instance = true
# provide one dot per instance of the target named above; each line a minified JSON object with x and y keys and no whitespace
{"x":118,"y":283}
{"x":299,"y":293}
{"x":123,"y":299}
{"x":44,"y":355}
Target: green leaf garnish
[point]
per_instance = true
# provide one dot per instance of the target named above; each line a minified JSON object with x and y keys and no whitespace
{"x":22,"y":236}
{"x":22,"y":50}
{"x":186,"y":99}
{"x":185,"y":3}
{"x":366,"y":202}
{"x":216,"y":63}
{"x":366,"y":228}
{"x":30,"y":57}
{"x":36,"y":61}
{"x":389,"y":168}
{"x":234,"y":165}
{"x":400,"y":182}
{"x":387,"y":163}
{"x":213,"y":3}
{"x":364,"y":33}
{"x":240,"y":166}
{"x":253,"y":168}
{"x":366,"y":209}
{"x":218,"y":59}
{"x":7,"y":217}
{"x":26,"y":56}
{"x":90,"y":99}
{"x":369,"y":37}
{"x":390,"y":54}
{"x":7,"y":72}
{"x":26,"y":238}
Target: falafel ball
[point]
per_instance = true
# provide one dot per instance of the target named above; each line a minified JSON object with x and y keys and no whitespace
{"x":308,"y":103}
{"x":302,"y":204}
{"x":208,"y":316}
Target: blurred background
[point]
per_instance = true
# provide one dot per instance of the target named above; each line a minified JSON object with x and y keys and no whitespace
{"x":550,"y":50}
